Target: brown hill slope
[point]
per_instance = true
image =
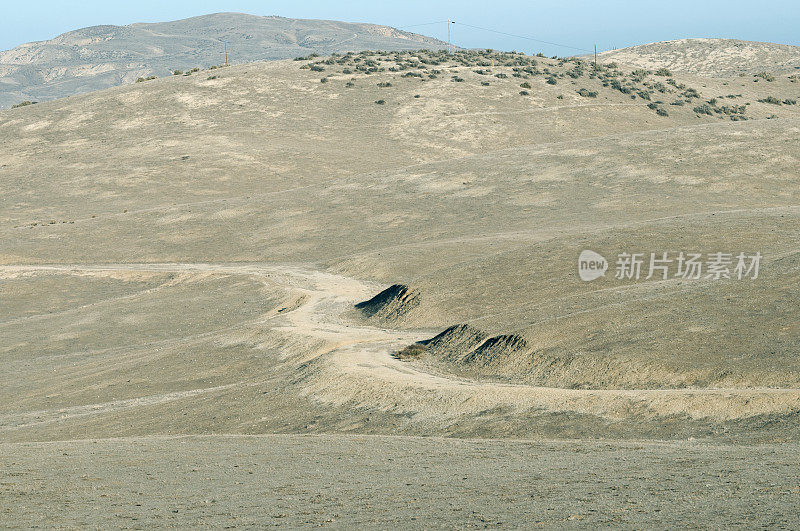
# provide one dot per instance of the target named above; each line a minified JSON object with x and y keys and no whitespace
{"x":184,"y":255}
{"x":104,"y":56}
{"x":711,"y":57}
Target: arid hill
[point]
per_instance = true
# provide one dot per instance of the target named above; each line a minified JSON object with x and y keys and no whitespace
{"x":711,"y":57}
{"x":228,"y":223}
{"x":104,"y":56}
{"x":222,"y":291}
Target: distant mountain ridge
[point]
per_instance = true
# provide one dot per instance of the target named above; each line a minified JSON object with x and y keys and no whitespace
{"x":711,"y":57}
{"x":99,"y":57}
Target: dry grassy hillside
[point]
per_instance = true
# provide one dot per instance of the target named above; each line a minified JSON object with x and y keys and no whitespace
{"x":184,"y":255}
{"x":99,"y":57}
{"x":711,"y":57}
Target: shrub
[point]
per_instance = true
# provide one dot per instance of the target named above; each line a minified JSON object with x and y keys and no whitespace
{"x":524,"y":93}
{"x":384,"y":84}
{"x":663,"y":72}
{"x":662,"y":112}
{"x":177,"y":72}
{"x":411,"y":352}
{"x":317,"y":68}
{"x":587,"y":93}
{"x":789,"y":102}
{"x":23,"y":104}
{"x":770,"y":99}
{"x":485,"y":83}
{"x":731,"y":110}
{"x":380,"y":102}
{"x":704,"y":109}
{"x":644,"y":95}
{"x":678,"y":103}
{"x":766,"y":76}
{"x":551,"y":80}
{"x":525,"y":85}
{"x":323,"y":80}
{"x":616,"y":85}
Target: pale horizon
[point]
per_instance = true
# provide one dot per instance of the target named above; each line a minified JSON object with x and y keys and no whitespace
{"x":571,"y":27}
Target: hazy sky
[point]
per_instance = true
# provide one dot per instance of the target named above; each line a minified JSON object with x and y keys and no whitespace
{"x":609,"y":23}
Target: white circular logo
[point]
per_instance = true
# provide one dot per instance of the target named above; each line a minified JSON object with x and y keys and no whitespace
{"x":591,"y":266}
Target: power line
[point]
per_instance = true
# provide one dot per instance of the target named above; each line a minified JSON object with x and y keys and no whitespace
{"x":527,"y":38}
{"x":448,"y":22}
{"x":424,"y":24}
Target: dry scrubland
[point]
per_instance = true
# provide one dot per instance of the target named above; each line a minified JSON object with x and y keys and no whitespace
{"x":711,"y":57}
{"x":184,"y":256}
{"x":105,"y":56}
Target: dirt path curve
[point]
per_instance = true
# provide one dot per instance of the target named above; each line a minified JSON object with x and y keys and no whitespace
{"x":359,"y":363}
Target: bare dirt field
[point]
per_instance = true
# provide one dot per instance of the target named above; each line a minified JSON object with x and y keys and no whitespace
{"x":409,"y":482}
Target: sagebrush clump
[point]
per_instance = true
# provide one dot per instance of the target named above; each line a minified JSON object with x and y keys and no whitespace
{"x":411,"y":352}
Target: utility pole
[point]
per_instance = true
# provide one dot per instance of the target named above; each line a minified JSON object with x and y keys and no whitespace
{"x":595,"y":57}
{"x":226,"y":53}
{"x":448,"y":36}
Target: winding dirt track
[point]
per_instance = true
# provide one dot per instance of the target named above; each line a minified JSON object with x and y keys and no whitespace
{"x":358,"y":368}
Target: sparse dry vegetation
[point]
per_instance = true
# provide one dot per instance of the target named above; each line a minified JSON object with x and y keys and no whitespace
{"x":411,"y":352}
